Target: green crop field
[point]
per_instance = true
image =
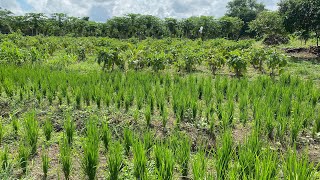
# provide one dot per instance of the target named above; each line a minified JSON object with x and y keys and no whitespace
{"x":100,"y":108}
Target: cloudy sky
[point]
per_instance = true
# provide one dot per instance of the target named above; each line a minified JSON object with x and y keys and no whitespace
{"x":100,"y":10}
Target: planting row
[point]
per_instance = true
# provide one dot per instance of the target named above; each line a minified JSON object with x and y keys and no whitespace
{"x":130,"y":154}
{"x":184,"y":55}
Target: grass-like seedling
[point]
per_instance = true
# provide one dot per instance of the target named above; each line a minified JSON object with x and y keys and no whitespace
{"x":298,"y":168}
{"x":69,"y":128}
{"x":139,"y":161}
{"x":47,"y":129}
{"x":15,"y":125}
{"x":1,"y":131}
{"x":164,"y":162}
{"x":31,"y":131}
{"x":147,"y":115}
{"x":65,"y":157}
{"x":45,"y":163}
{"x":183,"y":154}
{"x":23,"y":155}
{"x":90,"y":158}
{"x":199,"y":165}
{"x":224,"y":155}
{"x":148,"y":141}
{"x":115,"y":160}
{"x":106,"y":135}
{"x":5,"y":158}
{"x":127,"y":138}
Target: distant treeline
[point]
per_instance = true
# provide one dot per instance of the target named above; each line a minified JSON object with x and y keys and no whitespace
{"x":243,"y":18}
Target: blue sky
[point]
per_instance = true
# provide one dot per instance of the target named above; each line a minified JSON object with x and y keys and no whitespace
{"x":100,"y":10}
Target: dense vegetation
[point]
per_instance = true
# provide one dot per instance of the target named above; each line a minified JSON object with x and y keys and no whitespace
{"x":244,"y":18}
{"x":161,"y":99}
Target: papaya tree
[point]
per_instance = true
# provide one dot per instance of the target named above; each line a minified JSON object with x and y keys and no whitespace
{"x":108,"y":58}
{"x":275,"y":61}
{"x":237,"y":62}
{"x":215,"y":60}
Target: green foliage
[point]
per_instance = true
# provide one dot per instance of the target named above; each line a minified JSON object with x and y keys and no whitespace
{"x":90,"y":160}
{"x":47,"y":129}
{"x":31,"y":131}
{"x":139,"y":161}
{"x":69,"y":128}
{"x":237,"y":62}
{"x":115,"y":160}
{"x":45,"y":163}
{"x":65,"y":157}
{"x":224,"y":155}
{"x":128,"y":139}
{"x":5,"y":158}
{"x":296,"y":168}
{"x":106,"y":135}
{"x":23,"y":155}
{"x":183,"y":154}
{"x":267,"y":23}
{"x":276,"y":61}
{"x":215,"y":61}
{"x":164,"y":162}
{"x":199,"y":165}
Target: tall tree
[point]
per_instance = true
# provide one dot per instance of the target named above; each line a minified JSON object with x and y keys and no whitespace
{"x":267,"y":23}
{"x":301,"y":15}
{"x":246,"y":10}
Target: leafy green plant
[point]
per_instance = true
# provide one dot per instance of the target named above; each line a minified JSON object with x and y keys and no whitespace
{"x":1,"y":131}
{"x":237,"y":62}
{"x":215,"y":61}
{"x":15,"y":126}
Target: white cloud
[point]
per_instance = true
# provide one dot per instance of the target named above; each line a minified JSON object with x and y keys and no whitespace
{"x":102,"y":9}
{"x":11,"y":5}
